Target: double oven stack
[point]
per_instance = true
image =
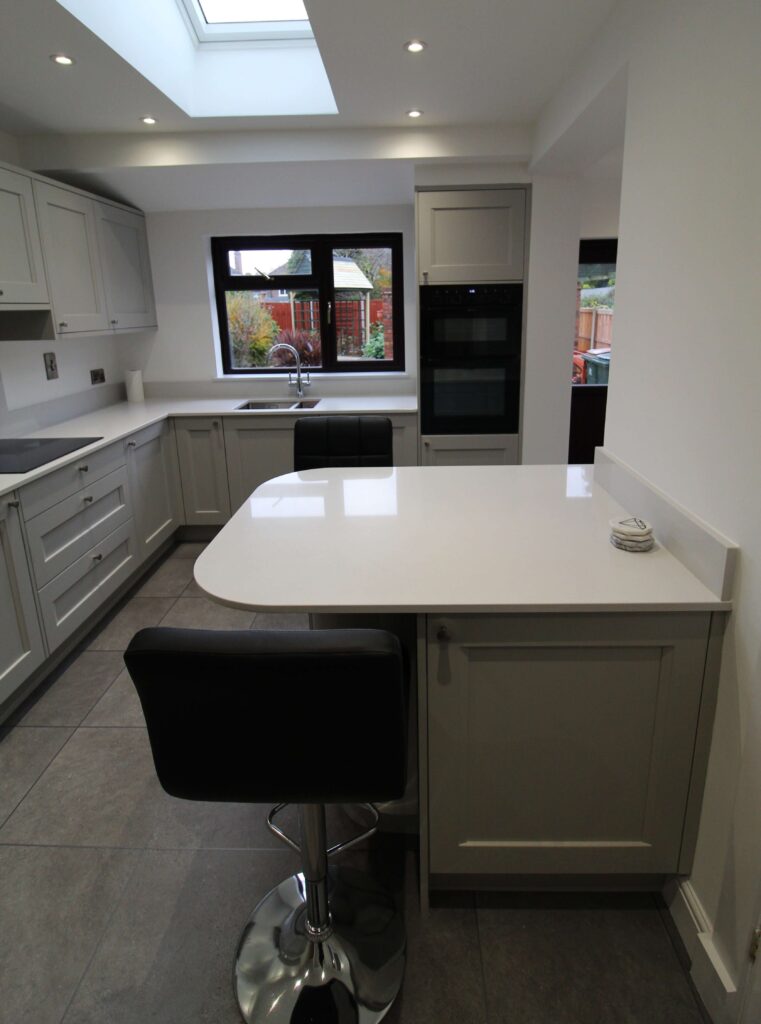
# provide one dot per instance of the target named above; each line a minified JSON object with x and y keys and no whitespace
{"x":470,"y":356}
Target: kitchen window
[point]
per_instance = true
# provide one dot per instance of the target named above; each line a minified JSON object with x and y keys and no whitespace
{"x":336,"y":299}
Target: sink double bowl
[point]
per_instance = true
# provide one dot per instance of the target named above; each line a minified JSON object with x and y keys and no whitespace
{"x":263,"y":406}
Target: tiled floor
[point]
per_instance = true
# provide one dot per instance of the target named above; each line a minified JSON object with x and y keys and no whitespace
{"x":122,"y":905}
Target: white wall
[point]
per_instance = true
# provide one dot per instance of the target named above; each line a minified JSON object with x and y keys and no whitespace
{"x":184,"y":349}
{"x":550,"y":319}
{"x":22,"y":369}
{"x":9,"y":148}
{"x":683,"y":405}
{"x":600,"y":205}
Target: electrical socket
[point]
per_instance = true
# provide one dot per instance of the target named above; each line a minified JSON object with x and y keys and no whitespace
{"x":97,"y":376}
{"x":51,"y":366}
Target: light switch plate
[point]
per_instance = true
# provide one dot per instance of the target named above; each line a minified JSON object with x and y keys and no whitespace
{"x":97,"y":376}
{"x":51,"y":366}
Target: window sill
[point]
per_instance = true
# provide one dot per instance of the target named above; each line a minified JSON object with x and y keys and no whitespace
{"x":279,"y":377}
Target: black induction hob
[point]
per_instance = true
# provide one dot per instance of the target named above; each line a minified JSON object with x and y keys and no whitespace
{"x":20,"y":454}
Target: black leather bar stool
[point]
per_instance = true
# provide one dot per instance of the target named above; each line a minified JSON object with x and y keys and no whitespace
{"x":308,"y":717}
{"x":321,"y":442}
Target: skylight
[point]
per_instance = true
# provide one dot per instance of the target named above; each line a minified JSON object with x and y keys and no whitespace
{"x":237,"y":11}
{"x":215,"y":21}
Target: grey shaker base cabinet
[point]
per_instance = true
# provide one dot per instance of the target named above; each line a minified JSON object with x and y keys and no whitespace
{"x":21,"y":644}
{"x":566,"y":744}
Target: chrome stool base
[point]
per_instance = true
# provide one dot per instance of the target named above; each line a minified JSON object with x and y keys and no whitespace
{"x":351,"y":977}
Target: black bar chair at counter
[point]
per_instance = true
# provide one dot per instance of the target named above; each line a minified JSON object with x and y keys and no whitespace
{"x":304,"y":716}
{"x":322,"y":442}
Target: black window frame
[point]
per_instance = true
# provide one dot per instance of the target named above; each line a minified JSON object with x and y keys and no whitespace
{"x":321,"y":278}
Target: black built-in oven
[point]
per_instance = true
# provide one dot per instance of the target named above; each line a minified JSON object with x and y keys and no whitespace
{"x":470,"y":358}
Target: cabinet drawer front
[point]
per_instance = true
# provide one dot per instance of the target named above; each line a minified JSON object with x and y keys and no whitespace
{"x":79,"y":591}
{"x":42,"y":494}
{"x":58,"y":536}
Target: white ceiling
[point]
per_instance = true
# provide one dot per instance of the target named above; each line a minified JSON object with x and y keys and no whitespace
{"x":487,"y":62}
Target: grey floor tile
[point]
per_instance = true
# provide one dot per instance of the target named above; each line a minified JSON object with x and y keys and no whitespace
{"x":193,"y":590}
{"x":168,"y":953}
{"x":54,"y":905}
{"x":188,"y":550}
{"x":443,"y":980}
{"x":581,"y":960}
{"x":201,"y":613}
{"x":169,"y":579}
{"x":77,"y":690}
{"x":119,"y":705}
{"x":24,"y":756}
{"x":102,"y":790}
{"x":138,"y":613}
{"x":280,"y":620}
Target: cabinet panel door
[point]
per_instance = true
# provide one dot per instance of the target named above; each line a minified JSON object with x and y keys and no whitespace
{"x":69,"y":240}
{"x":471,"y":237}
{"x":154,"y":486}
{"x":203,"y":471}
{"x":561,"y":744}
{"x":470,"y":450}
{"x":22,"y":278}
{"x":256,"y":452}
{"x":21,"y":647}
{"x":126,"y":268}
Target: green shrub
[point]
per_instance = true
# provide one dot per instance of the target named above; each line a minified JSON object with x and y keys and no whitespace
{"x":374,"y":347}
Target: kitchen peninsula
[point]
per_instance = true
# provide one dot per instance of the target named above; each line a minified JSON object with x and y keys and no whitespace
{"x":565,"y":689}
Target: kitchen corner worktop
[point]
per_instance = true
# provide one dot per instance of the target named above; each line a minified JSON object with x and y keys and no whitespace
{"x":115,"y":422}
{"x":444,"y":540}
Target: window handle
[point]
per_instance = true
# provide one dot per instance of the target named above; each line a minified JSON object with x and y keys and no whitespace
{"x":330,"y":312}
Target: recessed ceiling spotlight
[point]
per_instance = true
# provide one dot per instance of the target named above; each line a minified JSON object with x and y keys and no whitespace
{"x":62,"y":59}
{"x":414,"y":113}
{"x":415,"y":45}
{"x":148,"y":120}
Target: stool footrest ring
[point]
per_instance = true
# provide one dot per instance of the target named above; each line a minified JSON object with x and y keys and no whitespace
{"x":338,"y":847}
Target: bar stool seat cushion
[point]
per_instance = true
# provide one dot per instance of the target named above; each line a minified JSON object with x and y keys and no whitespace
{"x":297,"y":716}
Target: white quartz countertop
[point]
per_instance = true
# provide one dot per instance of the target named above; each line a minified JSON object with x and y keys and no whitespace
{"x":439,"y":540}
{"x":115,"y":422}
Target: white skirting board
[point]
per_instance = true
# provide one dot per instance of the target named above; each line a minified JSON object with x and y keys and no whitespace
{"x":709,"y":973}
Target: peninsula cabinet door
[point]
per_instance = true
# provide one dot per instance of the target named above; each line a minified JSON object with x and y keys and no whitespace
{"x":561,"y":743}
{"x":203,"y":470}
{"x":21,"y":648}
{"x":154,"y":486}
{"x":70,"y":244}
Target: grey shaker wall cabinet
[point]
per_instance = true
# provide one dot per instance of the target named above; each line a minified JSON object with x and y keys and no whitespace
{"x":22,"y":274}
{"x":471,"y":236}
{"x":123,"y":245}
{"x":70,"y":244}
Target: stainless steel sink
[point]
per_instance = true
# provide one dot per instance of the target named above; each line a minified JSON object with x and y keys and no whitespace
{"x":262,"y":406}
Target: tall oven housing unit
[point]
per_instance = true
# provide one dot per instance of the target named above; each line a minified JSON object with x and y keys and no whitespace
{"x":471,"y":325}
